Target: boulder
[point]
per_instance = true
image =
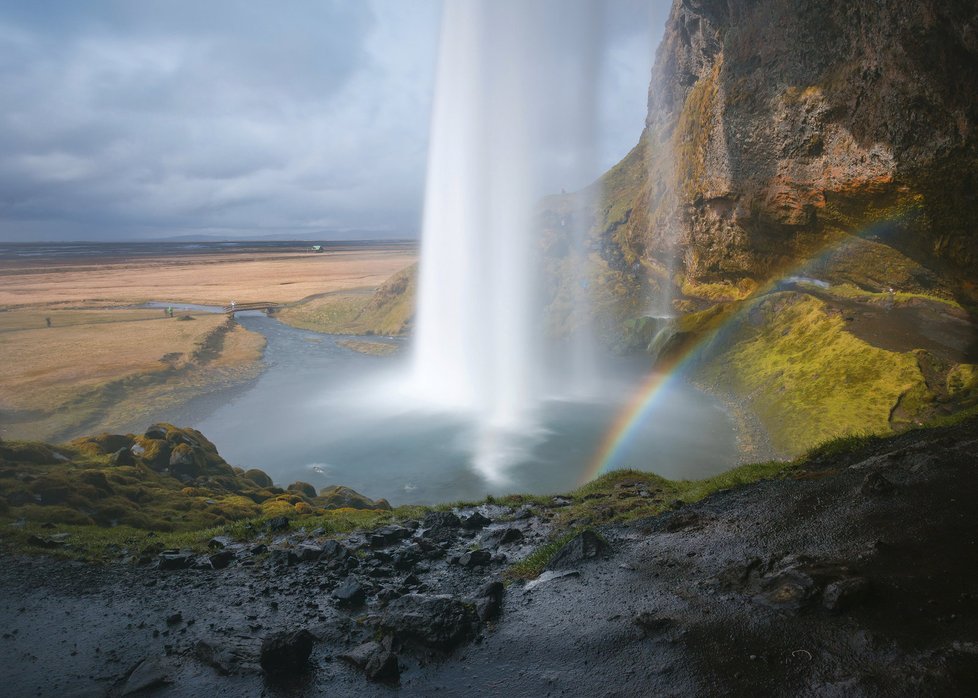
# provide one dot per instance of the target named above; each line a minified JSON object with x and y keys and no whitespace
{"x":503,"y":536}
{"x":586,"y":545}
{"x":489,"y":601}
{"x":350,"y":594}
{"x":375,"y":660}
{"x":475,"y":522}
{"x":334,"y":550}
{"x":172,"y":560}
{"x":221,"y":559}
{"x":286,"y":652}
{"x":475,"y":558}
{"x":441,"y":519}
{"x":438,"y":622}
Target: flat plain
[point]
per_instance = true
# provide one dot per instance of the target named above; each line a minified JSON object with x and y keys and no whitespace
{"x":80,"y":356}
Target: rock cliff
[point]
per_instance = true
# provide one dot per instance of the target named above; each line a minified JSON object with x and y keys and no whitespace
{"x":844,"y":135}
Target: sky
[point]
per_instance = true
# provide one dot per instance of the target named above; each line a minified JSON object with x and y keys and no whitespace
{"x":131,"y":119}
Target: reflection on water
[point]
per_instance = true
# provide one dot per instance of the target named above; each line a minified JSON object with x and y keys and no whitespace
{"x":327,"y":415}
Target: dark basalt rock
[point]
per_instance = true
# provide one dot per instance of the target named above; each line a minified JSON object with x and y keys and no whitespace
{"x":475,"y":521}
{"x":334,"y":550}
{"x":438,"y":622}
{"x":441,"y":519}
{"x":586,"y":545}
{"x":222,"y":559}
{"x":286,"y":652}
{"x":503,"y":536}
{"x":489,"y":601}
{"x":375,"y":660}
{"x":475,"y":558}
{"x":175,"y":560}
{"x":350,"y":594}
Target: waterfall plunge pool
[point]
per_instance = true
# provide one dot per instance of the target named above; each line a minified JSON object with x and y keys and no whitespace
{"x":327,"y":415}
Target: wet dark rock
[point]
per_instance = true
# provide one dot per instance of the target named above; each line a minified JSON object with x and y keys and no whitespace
{"x":441,"y":526}
{"x":334,"y":550}
{"x":375,"y":660}
{"x":286,"y":652}
{"x":489,"y":601}
{"x":175,"y":560}
{"x":845,"y":594}
{"x":503,"y":536}
{"x":406,"y":558}
{"x":222,"y":559}
{"x":350,"y":594}
{"x":309,"y":552}
{"x":586,"y":545}
{"x":439,"y":622}
{"x":875,"y":484}
{"x":388,"y":535}
{"x":148,"y":674}
{"x":475,"y":558}
{"x":277,"y":524}
{"x":475,"y":521}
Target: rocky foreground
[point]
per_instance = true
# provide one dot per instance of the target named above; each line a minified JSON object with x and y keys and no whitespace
{"x":857,"y":574}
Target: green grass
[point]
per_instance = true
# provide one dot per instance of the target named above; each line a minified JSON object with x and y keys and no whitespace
{"x":807,"y":378}
{"x":386,"y":311}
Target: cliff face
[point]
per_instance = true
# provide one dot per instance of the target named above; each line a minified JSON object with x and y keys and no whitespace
{"x":781,"y":131}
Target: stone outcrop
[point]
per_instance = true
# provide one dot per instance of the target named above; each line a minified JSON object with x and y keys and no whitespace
{"x":841,"y":134}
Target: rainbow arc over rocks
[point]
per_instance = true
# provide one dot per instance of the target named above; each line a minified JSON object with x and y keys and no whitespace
{"x":646,"y":398}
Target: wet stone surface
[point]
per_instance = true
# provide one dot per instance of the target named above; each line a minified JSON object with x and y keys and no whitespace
{"x":818,"y":583}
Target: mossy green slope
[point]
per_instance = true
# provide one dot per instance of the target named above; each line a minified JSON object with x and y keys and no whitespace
{"x":387,"y":311}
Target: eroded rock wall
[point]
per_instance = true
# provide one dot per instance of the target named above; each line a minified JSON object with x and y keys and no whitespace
{"x":779,"y":131}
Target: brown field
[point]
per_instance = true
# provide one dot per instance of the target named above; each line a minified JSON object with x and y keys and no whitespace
{"x":104,"y":366}
{"x":209,"y":279}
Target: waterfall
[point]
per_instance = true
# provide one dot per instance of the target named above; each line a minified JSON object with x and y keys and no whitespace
{"x":514,"y":104}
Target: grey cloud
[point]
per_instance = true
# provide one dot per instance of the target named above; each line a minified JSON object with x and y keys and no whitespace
{"x":128,"y":119}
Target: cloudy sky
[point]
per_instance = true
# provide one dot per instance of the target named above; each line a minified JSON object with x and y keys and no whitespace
{"x":132,"y":119}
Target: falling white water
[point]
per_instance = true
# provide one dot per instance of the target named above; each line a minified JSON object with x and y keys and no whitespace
{"x":513,"y":120}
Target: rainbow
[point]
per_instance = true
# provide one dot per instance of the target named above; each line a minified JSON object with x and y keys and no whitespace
{"x":645,"y":399}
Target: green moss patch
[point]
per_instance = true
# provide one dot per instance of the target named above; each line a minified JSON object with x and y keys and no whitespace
{"x":806,"y":377}
{"x":387,"y":311}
